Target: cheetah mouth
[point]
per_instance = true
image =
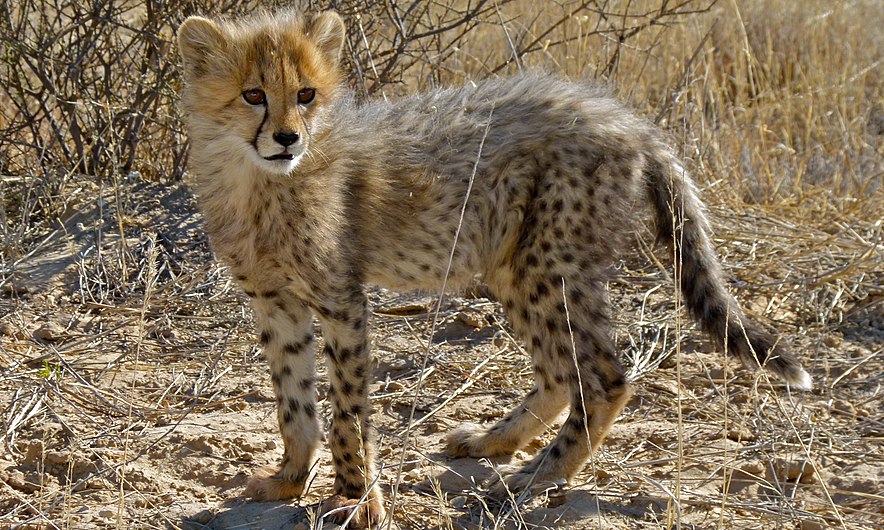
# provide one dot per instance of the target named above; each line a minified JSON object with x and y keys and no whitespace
{"x":281,"y":156}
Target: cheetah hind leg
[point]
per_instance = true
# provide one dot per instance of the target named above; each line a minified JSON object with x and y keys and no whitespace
{"x":565,"y":456}
{"x":515,"y":430}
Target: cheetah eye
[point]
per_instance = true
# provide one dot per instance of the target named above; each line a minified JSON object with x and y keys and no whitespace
{"x":254,"y":96}
{"x":306,"y":95}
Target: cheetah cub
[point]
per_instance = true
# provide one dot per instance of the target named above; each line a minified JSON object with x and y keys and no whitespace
{"x":308,"y":196}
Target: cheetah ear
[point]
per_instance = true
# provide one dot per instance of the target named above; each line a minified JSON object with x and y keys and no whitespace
{"x":327,"y":31}
{"x":198,"y":39}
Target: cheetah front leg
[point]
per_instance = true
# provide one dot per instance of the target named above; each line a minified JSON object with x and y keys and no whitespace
{"x":286,"y":330}
{"x":344,"y":327}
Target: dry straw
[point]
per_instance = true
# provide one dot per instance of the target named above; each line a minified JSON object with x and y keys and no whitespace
{"x":132,"y":391}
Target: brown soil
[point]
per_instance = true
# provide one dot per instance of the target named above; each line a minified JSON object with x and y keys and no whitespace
{"x":136,"y":397}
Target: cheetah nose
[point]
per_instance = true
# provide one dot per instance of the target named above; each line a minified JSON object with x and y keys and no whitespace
{"x":285,"y":139}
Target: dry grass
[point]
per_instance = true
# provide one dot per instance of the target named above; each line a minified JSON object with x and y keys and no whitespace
{"x":133,"y":391}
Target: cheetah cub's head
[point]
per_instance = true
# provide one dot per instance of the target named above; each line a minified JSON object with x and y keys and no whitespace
{"x":258,"y":90}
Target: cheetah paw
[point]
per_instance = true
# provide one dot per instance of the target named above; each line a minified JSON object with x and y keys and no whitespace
{"x":465,"y":441}
{"x":368,"y":514}
{"x":270,"y":485}
{"x":470,"y":439}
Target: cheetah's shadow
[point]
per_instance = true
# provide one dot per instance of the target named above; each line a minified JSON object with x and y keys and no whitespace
{"x":274,"y":515}
{"x":457,"y":481}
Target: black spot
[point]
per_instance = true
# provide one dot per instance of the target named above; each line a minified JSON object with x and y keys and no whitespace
{"x":557,"y":205}
{"x":327,"y":350}
{"x":241,"y":277}
{"x":250,"y":294}
{"x":344,"y":354}
{"x":294,"y":406}
{"x":310,"y":410}
{"x":567,"y":257}
{"x":270,"y":294}
{"x":576,"y":295}
{"x":265,"y":337}
{"x":286,"y":370}
{"x":347,"y":388}
{"x":294,"y":348}
{"x":305,"y":383}
{"x":276,"y":380}
{"x":555,"y":452}
{"x":287,"y":417}
{"x":615,"y":383}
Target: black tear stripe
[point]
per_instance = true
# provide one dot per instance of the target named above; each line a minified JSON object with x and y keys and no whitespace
{"x":258,"y":132}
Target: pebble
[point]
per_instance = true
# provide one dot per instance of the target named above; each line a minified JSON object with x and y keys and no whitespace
{"x":49,"y":332}
{"x":798,"y":470}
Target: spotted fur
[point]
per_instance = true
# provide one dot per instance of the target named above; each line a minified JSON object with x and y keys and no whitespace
{"x":309,"y":201}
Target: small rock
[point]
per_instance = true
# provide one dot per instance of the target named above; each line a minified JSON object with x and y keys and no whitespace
{"x":16,"y":479}
{"x":394,"y":386}
{"x":203,"y":517}
{"x":49,"y":332}
{"x":34,"y":453}
{"x":755,"y":468}
{"x":811,"y":524}
{"x":8,"y":330}
{"x":471,"y":319}
{"x":458,"y":502}
{"x":740,"y":434}
{"x":601,"y":474}
{"x":107,"y":514}
{"x":798,"y":470}
{"x":844,"y":408}
{"x":832,"y":341}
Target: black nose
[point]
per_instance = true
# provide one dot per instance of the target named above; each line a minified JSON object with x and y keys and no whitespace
{"x":285,"y":139}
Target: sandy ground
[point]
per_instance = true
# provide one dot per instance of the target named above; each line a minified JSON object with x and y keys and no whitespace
{"x":135,"y":397}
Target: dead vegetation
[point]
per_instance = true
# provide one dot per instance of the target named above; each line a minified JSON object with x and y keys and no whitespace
{"x":133,"y":391}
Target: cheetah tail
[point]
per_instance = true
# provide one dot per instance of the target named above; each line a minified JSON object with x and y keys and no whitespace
{"x":680,"y":219}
